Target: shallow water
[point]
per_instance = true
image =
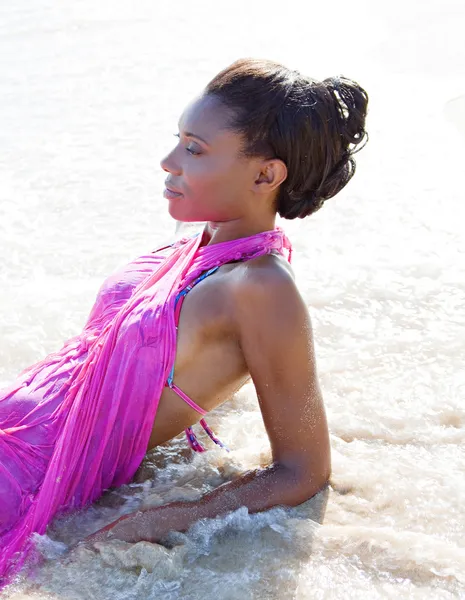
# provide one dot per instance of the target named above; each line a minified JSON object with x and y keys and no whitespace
{"x":90,"y":95}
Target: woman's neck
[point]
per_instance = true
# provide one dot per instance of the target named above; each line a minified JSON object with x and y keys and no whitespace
{"x":225,"y":231}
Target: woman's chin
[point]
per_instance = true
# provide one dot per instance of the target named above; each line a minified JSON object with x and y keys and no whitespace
{"x":174,"y":212}
{"x":182,"y":218}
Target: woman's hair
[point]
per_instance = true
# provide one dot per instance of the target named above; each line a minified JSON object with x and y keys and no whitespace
{"x":313,"y":126}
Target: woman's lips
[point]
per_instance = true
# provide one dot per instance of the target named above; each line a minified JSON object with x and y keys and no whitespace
{"x":171,"y":194}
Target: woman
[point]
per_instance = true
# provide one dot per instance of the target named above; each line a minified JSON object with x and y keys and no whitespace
{"x":260,"y":140}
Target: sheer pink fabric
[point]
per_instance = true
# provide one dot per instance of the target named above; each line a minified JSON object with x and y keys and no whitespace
{"x":89,"y":428}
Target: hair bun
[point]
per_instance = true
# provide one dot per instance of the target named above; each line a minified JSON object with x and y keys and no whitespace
{"x":347,"y":112}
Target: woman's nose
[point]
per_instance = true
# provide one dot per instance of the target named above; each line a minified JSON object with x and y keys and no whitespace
{"x":169,"y":165}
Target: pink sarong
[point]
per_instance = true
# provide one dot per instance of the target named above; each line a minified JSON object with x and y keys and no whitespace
{"x":78,"y":422}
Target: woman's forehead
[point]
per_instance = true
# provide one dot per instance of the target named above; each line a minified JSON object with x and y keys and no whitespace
{"x":205,"y":117}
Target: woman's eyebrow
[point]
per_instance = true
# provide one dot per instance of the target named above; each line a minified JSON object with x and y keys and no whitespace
{"x":194,"y":135}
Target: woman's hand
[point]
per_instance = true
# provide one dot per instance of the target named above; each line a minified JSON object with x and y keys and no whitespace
{"x":149,"y":525}
{"x":125,"y":528}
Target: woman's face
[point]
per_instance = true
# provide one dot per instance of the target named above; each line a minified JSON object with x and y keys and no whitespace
{"x":208,"y":179}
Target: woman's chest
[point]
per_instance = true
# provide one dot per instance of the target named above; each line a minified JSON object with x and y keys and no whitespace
{"x":208,"y":356}
{"x":205,"y":322}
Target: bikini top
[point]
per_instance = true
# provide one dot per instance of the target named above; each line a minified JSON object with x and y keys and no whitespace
{"x":190,"y":435}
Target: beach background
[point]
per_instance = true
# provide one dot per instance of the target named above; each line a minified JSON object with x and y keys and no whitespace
{"x":90,"y":95}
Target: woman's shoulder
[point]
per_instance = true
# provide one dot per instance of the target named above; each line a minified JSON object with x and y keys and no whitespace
{"x":264,"y":294}
{"x":263,"y":280}
{"x":266,"y":271}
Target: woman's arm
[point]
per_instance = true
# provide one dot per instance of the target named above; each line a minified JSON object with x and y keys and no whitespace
{"x":275,"y":335}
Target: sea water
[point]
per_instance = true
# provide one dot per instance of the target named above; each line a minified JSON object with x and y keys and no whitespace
{"x":91,"y":93}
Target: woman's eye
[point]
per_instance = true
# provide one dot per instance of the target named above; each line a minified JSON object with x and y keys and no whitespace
{"x":189,"y":149}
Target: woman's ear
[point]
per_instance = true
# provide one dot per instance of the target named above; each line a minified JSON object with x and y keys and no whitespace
{"x":272,"y":173}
